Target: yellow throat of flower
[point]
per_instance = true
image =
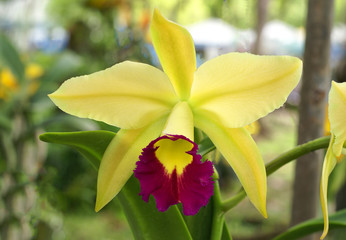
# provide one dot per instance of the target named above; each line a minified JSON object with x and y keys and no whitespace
{"x":172,"y":154}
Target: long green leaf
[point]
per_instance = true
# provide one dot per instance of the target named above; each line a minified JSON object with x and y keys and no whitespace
{"x":91,"y":144}
{"x":225,"y":233}
{"x":205,"y":146}
{"x":10,"y":57}
{"x":337,"y":220}
{"x":200,"y":224}
{"x":145,"y":220}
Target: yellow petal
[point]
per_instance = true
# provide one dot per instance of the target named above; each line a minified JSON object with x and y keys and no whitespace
{"x":128,"y":95}
{"x":33,"y":71}
{"x":241,"y":152}
{"x":180,"y":121}
{"x":176,"y":51}
{"x":253,"y":128}
{"x":8,"y":80}
{"x":120,"y":158}
{"x":328,"y":166}
{"x":337,"y":115}
{"x":239,"y":88}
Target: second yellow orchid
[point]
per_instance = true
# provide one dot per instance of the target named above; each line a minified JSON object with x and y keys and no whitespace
{"x":157,"y":112}
{"x":337,"y":119}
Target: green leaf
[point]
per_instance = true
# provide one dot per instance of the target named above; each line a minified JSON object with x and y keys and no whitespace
{"x":200,"y":224}
{"x":63,"y":67}
{"x":205,"y":146}
{"x":146,"y":221}
{"x":337,"y":220}
{"x":10,"y":58}
{"x":5,"y":122}
{"x":225,"y":233}
{"x":91,"y":144}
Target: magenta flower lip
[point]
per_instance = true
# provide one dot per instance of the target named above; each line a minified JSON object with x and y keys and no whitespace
{"x":192,"y":186}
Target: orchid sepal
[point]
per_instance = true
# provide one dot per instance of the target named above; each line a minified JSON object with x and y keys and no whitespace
{"x":176,"y":51}
{"x":337,"y":119}
{"x":119,"y":160}
{"x":337,"y":115}
{"x":115,"y":94}
{"x":241,"y":152}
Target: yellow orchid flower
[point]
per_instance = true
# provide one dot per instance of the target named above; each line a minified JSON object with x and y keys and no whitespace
{"x":157,"y":112}
{"x":337,"y":119}
{"x":9,"y":83}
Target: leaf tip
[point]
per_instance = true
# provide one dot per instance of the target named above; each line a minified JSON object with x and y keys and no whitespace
{"x":43,"y":137}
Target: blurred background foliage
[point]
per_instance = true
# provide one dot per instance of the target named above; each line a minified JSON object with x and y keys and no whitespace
{"x":48,"y":191}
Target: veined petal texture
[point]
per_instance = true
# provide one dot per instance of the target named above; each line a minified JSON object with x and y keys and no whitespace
{"x":128,"y":95}
{"x":176,"y":51}
{"x":120,"y":159}
{"x":337,"y":115}
{"x":239,"y":88}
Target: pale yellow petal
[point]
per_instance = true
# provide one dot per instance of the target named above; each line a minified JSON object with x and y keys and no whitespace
{"x":328,"y":166}
{"x":337,"y":115}
{"x":180,"y":121}
{"x":241,"y":152}
{"x":239,"y":88}
{"x":176,"y":51}
{"x":128,"y":95}
{"x":120,"y":159}
{"x":253,"y":128}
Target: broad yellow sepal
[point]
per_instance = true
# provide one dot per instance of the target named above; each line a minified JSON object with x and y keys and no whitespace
{"x":128,"y":95}
{"x":176,"y":51}
{"x":241,"y":152}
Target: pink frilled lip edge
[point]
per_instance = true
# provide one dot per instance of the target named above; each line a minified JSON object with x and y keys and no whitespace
{"x":193,"y":188}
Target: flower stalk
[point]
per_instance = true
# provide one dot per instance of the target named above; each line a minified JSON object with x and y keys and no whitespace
{"x":278,"y":162}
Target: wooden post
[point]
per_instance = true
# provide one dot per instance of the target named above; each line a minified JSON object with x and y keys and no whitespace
{"x":315,"y":87}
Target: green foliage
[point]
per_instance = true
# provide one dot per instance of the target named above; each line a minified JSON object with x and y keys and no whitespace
{"x":337,"y":220}
{"x":337,"y":178}
{"x":91,"y":144}
{"x":205,"y":146}
{"x":225,"y":233}
{"x":292,"y":12}
{"x":146,"y":221}
{"x":144,"y":218}
{"x":10,"y":57}
{"x":200,"y":224}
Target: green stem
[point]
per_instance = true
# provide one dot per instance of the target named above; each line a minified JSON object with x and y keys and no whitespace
{"x":296,"y":152}
{"x":218,"y":214}
{"x":277,"y":163}
{"x":233,"y":201}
